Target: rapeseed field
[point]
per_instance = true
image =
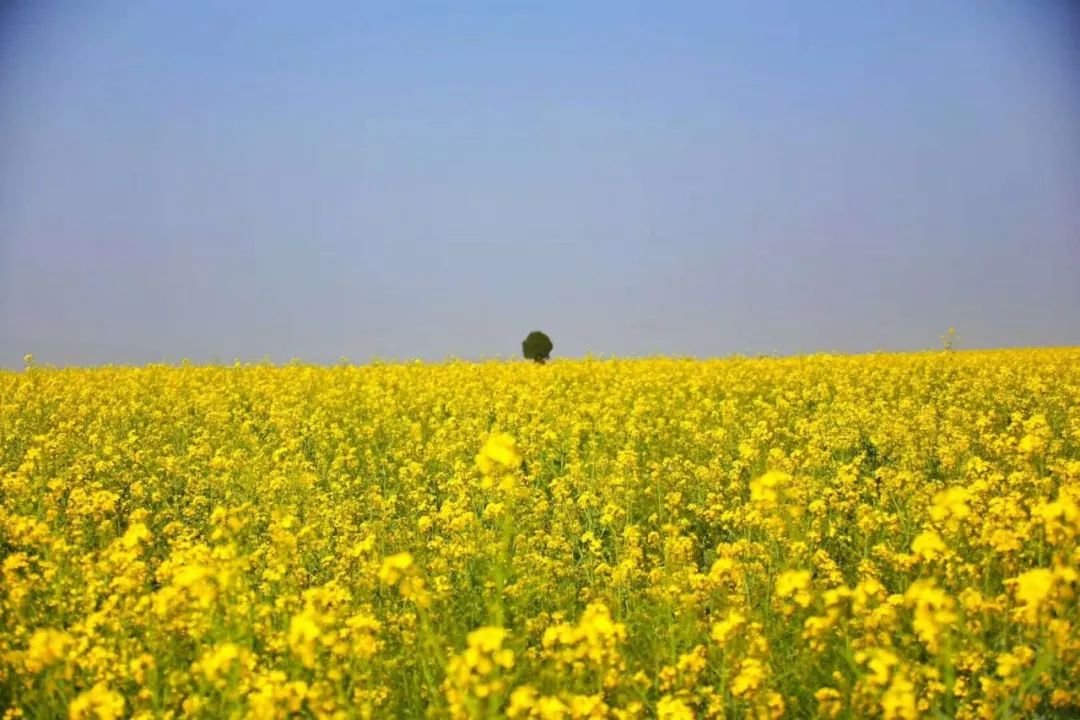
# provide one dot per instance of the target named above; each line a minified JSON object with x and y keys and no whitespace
{"x":889,"y":536}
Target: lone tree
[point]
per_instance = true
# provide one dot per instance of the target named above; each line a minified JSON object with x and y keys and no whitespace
{"x":537,"y":346}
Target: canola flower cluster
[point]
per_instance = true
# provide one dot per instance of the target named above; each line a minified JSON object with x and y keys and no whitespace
{"x":890,"y":536}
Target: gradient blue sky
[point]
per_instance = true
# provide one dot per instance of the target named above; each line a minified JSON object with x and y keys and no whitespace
{"x":220,"y":180}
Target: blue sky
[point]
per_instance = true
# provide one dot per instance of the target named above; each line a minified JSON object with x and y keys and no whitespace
{"x":214,"y":180}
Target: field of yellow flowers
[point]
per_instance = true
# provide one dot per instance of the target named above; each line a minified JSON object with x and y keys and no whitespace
{"x":886,"y":536}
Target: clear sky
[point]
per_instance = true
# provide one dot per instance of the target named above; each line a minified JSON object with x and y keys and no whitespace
{"x":219,"y":180}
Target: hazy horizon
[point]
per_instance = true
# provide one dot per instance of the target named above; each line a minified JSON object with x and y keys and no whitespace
{"x":220,"y":182}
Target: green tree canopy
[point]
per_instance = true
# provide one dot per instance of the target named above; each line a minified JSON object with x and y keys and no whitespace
{"x":537,"y":347}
